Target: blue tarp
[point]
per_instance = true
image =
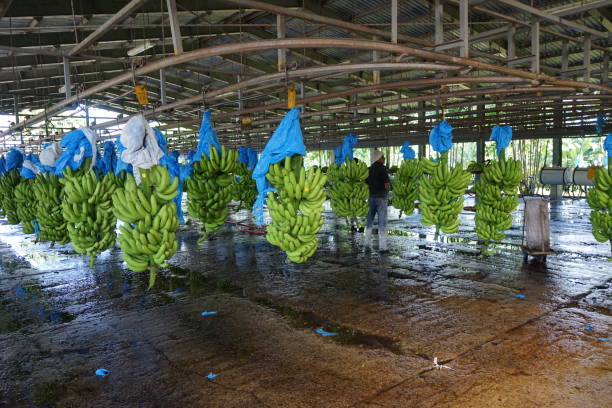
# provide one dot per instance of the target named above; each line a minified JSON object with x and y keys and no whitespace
{"x":502,"y":135}
{"x":2,"y":165}
{"x":441,"y":137}
{"x":286,"y":140}
{"x":407,"y":151}
{"x":208,"y":137}
{"x":77,"y":146}
{"x":121,"y":165}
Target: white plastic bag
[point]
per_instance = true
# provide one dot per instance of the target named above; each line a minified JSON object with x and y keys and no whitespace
{"x":140,"y":142}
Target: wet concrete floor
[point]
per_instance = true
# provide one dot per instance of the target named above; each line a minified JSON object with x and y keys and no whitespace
{"x":512,"y":333}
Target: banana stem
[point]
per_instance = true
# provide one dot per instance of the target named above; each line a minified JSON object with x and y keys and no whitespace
{"x":92,"y":261}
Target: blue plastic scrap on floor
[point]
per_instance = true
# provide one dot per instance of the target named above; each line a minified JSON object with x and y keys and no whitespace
{"x":212,"y":376}
{"x":209,"y":313}
{"x":519,"y":296}
{"x":102,"y":372}
{"x":326,"y":333}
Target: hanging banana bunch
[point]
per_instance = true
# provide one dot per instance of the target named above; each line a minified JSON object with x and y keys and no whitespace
{"x":48,"y":193}
{"x":8,"y":182}
{"x":207,"y":189}
{"x":497,"y":195}
{"x":244,"y":187}
{"x":599,"y":199}
{"x":25,"y":201}
{"x":348,"y":193}
{"x":406,"y":186}
{"x":88,"y":210}
{"x":441,"y":194}
{"x":148,"y":237}
{"x":295,"y":207}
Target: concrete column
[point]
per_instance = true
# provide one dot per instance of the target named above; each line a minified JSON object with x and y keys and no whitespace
{"x":439,"y":27}
{"x":511,"y":44}
{"x":556,"y":192}
{"x":464,"y":28}
{"x":564,"y":57}
{"x":394,"y":21}
{"x":480,"y":151}
{"x":535,"y":45}
{"x":605,"y":69}
{"x":280,"y":33}
{"x":175,"y":27}
{"x":421,"y":121}
{"x":67,"y":83}
{"x":162,"y":86}
{"x":587,"y":58}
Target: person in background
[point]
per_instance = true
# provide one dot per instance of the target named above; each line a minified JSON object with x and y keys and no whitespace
{"x":379,"y":184}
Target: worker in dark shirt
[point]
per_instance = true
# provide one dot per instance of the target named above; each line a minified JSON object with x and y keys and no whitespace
{"x":379,"y":185}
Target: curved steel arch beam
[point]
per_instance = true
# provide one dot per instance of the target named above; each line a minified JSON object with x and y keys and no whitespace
{"x":351,"y":43}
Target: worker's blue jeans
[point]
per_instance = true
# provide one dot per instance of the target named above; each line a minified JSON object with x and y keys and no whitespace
{"x":378,"y":205}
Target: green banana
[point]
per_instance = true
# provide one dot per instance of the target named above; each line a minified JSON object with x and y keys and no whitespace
{"x":405,"y":186}
{"x":599,"y":199}
{"x":295,"y":207}
{"x":497,"y":197}
{"x":348,"y":193}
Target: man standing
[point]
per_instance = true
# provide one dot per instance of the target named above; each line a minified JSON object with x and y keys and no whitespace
{"x":379,"y":185}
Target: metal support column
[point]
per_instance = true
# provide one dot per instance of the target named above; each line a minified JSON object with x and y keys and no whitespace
{"x":175,"y":27}
{"x":86,"y":115}
{"x":394,"y":21}
{"x":439,"y":27}
{"x":464,"y":28}
{"x":162,"y":86}
{"x":67,"y":84}
{"x":535,"y":45}
{"x":375,"y":74}
{"x":556,"y":192}
{"x":480,"y":151}
{"x":280,"y":33}
{"x":16,"y":111}
{"x":240,"y":101}
{"x":587,"y":58}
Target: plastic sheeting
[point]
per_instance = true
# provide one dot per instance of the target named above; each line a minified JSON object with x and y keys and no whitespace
{"x":2,"y":165}
{"x":30,"y":167}
{"x":248,"y":156}
{"x":441,"y":137}
{"x":501,"y":135}
{"x":208,"y":137}
{"x":407,"y":151}
{"x":286,"y":140}
{"x":14,"y":159}
{"x":78,"y":145}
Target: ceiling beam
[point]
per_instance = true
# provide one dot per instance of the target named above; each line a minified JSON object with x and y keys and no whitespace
{"x":553,"y":18}
{"x":117,"y":18}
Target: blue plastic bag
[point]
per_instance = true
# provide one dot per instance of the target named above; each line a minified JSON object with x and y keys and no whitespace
{"x":502,"y":135}
{"x":608,"y":144}
{"x":208,"y":137}
{"x":345,"y":149}
{"x":601,"y":122}
{"x":441,"y":137}
{"x":2,"y":165}
{"x":49,"y":155}
{"x":14,"y":159}
{"x":286,"y":140}
{"x":108,"y":162}
{"x":248,"y":156}
{"x":407,"y":151}
{"x":338,"y":155}
{"x":30,"y":167}
{"x":78,"y":145}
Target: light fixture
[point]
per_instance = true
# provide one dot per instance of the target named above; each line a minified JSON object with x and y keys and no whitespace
{"x":145,"y":45}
